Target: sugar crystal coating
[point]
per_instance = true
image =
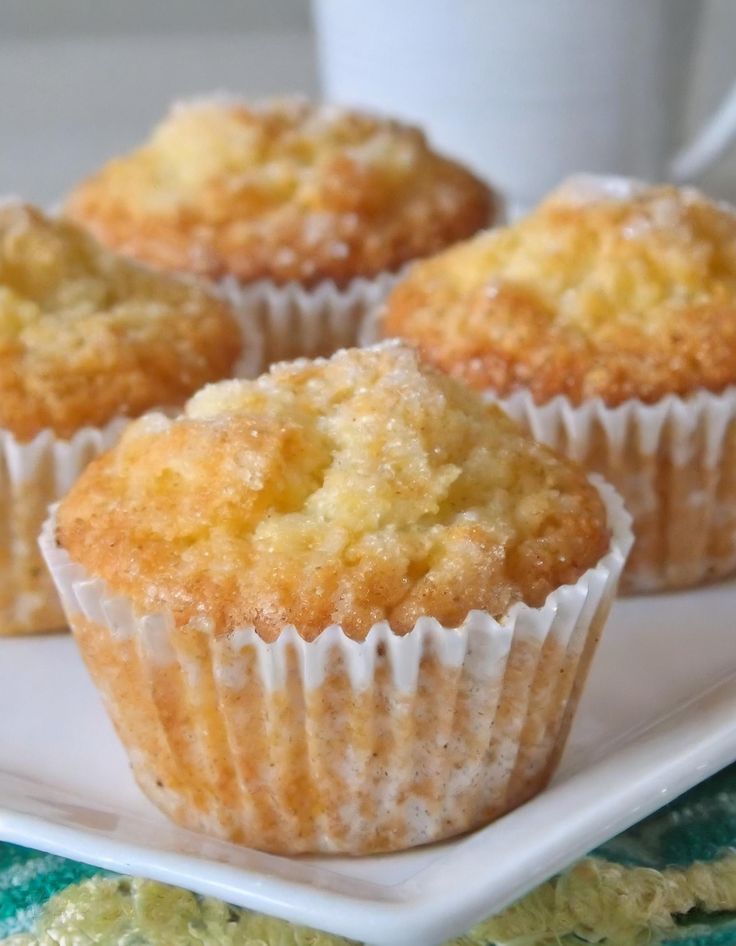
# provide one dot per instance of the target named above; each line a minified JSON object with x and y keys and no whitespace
{"x":86,"y":336}
{"x":282,"y":190}
{"x":361,"y":488}
{"x":616,"y":292}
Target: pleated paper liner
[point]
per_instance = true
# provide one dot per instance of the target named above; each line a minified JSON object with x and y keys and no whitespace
{"x":336,"y":745}
{"x":32,"y":476}
{"x":279,"y":323}
{"x":674,"y":463}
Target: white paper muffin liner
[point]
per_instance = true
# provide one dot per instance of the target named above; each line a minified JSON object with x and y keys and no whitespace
{"x":280,"y":323}
{"x":674,"y":463}
{"x":336,"y":745}
{"x":32,"y":476}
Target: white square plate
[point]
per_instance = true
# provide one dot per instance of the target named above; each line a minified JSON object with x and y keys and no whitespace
{"x":658,"y":715}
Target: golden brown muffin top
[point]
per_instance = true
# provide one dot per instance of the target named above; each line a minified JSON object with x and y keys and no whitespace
{"x":617,"y":291}
{"x":86,"y":336}
{"x":362,"y":488}
{"x":282,"y":190}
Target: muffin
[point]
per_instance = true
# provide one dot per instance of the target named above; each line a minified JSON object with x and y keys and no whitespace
{"x":606,"y":322}
{"x":301,"y":212}
{"x":87,"y":339}
{"x":344,"y":607}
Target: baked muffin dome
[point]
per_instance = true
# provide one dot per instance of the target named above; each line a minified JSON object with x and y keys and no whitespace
{"x":282,"y":190}
{"x":86,"y":336}
{"x":350,"y":490}
{"x":612,"y":291}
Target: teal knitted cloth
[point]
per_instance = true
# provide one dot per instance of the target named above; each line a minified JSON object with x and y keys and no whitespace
{"x":699,"y":828}
{"x":27,"y":880}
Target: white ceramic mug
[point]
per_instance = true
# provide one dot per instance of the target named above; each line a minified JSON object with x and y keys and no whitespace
{"x":529,"y":91}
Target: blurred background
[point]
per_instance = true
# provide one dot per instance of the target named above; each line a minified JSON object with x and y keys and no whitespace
{"x":82,"y":80}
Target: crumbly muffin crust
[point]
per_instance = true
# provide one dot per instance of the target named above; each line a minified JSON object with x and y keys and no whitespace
{"x":282,"y":190}
{"x":86,"y":336}
{"x":616,"y":292}
{"x":362,"y":488}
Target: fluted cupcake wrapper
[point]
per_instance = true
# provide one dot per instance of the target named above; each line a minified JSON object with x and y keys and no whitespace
{"x":335,"y":745}
{"x":674,"y":463}
{"x":32,"y":476}
{"x":279,"y":323}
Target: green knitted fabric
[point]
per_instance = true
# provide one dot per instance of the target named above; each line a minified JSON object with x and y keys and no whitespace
{"x":669,"y":880}
{"x":27,"y":880}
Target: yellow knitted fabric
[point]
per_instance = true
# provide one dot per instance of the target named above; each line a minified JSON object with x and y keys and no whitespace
{"x":595,"y":901}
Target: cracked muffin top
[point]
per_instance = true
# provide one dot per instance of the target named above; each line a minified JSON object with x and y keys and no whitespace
{"x":608,"y":289}
{"x":86,"y":336}
{"x":351,"y":490}
{"x":283,"y":190}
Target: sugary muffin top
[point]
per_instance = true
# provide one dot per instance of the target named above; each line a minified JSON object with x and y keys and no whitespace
{"x":282,"y":190}
{"x":86,"y":335}
{"x":611,"y":290}
{"x":362,"y":488}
